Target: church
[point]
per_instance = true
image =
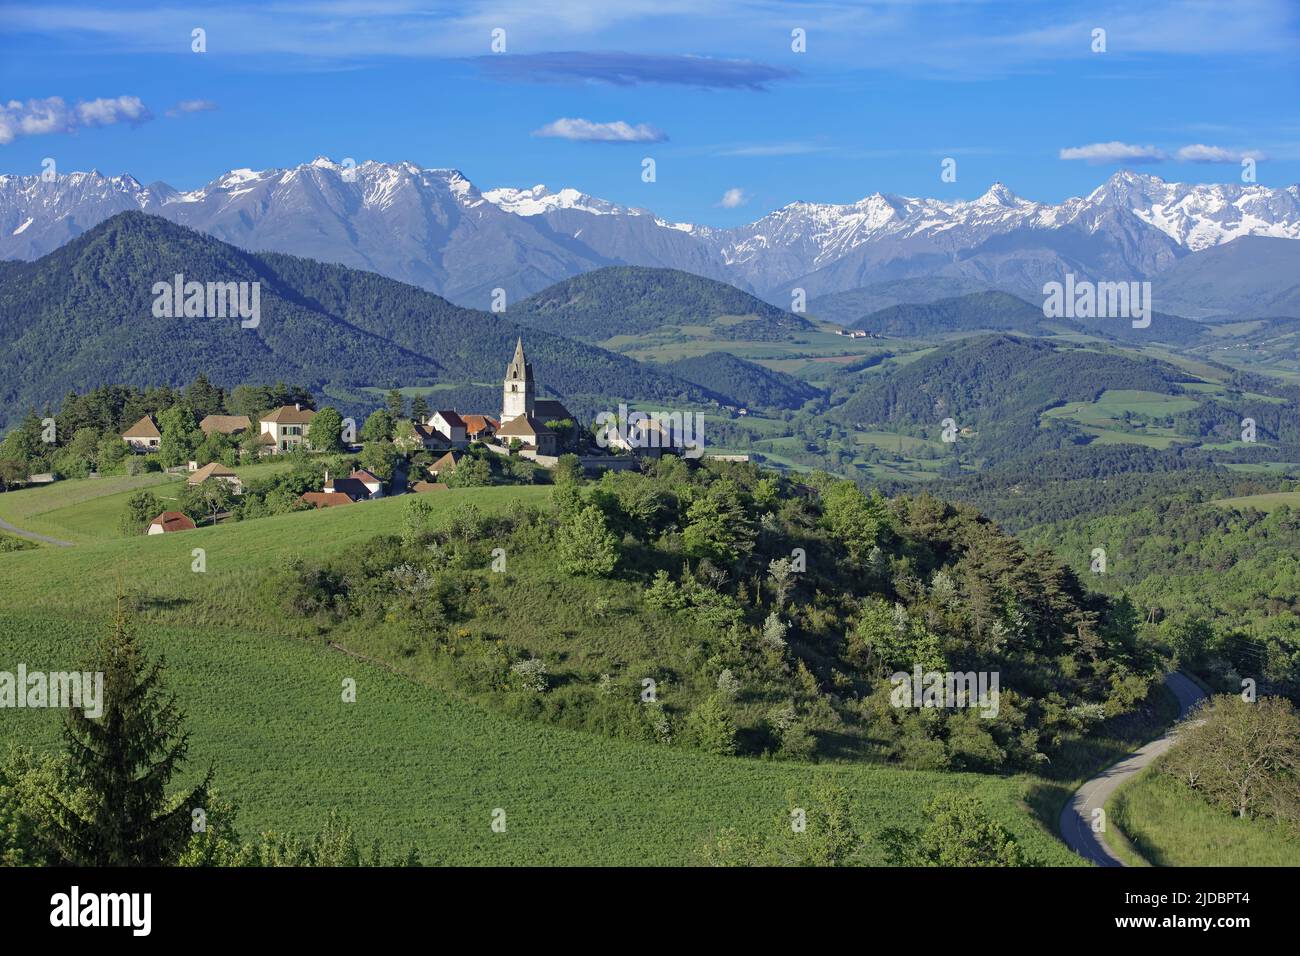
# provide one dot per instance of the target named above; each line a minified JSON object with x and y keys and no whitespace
{"x":523,"y":414}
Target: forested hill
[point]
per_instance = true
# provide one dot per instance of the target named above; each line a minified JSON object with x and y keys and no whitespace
{"x":750,"y":384}
{"x":997,"y":386}
{"x":632,"y":300}
{"x":967,"y":313}
{"x":999,"y":311}
{"x":82,"y":316}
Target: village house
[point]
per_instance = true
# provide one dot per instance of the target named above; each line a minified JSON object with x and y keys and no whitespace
{"x":170,"y":521}
{"x":450,"y":427}
{"x":217,"y":471}
{"x":424,"y":487}
{"x":285,"y":428}
{"x":144,"y":435}
{"x":444,"y":466}
{"x":647,"y":437}
{"x":359,"y":486}
{"x":425,"y":437}
{"x":530,"y":433}
{"x":480,"y":427}
{"x":225,"y":424}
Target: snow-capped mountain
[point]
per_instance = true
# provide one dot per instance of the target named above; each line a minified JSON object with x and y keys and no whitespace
{"x":434,"y":228}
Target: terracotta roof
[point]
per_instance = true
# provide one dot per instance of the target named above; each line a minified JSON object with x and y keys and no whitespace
{"x":325,"y":499}
{"x":448,"y":416}
{"x":144,"y":428}
{"x":523,"y":425}
{"x":447,"y":463}
{"x":264,"y":438}
{"x":424,"y":487}
{"x":173,"y":521}
{"x":226,"y":424}
{"x":474,"y":424}
{"x":289,"y":415}
{"x":362,"y":475}
{"x":211,"y":470}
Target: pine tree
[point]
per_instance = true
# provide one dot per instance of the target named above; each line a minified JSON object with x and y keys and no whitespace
{"x":121,"y":763}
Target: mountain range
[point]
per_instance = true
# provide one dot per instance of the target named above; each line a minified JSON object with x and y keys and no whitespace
{"x":435,"y":229}
{"x":83,"y":316}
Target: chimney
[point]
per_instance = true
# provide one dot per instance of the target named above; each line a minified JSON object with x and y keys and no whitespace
{"x":297,"y":406}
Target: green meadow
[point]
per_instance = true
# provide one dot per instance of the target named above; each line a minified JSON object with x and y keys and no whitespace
{"x":407,"y":762}
{"x":1170,"y":825}
{"x":82,"y":510}
{"x":1264,"y":502}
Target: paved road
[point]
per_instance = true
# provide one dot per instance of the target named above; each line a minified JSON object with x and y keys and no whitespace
{"x":1076,"y":817}
{"x":6,"y":526}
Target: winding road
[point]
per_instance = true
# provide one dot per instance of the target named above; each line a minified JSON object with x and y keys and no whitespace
{"x":1076,"y":816}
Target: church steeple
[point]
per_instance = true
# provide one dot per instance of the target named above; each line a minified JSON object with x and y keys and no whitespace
{"x":519,"y":367}
{"x":518,"y":393}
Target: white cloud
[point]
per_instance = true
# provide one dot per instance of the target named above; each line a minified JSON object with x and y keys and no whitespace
{"x":1200,"y":153}
{"x":106,"y":112}
{"x":1114,"y":152}
{"x":733,"y":198}
{"x":774,"y":149}
{"x":53,"y":115}
{"x":191,"y":106}
{"x":586,"y":131}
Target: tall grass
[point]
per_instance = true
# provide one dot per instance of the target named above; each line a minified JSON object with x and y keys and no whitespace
{"x":1171,"y":825}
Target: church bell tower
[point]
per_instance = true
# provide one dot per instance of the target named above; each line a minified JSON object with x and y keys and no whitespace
{"x":519,"y":391}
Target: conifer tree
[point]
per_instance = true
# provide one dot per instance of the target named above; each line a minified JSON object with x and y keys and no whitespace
{"x":121,"y":763}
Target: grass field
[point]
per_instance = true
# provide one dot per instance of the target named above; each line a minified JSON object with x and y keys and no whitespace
{"x":406,"y":764}
{"x":83,"y":510}
{"x":1265,"y":502}
{"x":1170,"y":825}
{"x":79,"y":510}
{"x":903,"y":444}
{"x":1103,"y":419}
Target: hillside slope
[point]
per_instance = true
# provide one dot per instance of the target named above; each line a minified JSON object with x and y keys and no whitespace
{"x":82,"y":316}
{"x":1001,"y":311}
{"x":998,"y":385}
{"x":631,"y":300}
{"x":406,"y":763}
{"x":748,"y":383}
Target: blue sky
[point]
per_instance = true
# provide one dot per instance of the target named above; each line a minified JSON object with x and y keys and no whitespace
{"x":737,"y":122}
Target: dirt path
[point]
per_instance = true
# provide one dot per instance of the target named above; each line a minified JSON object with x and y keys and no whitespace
{"x":33,"y":536}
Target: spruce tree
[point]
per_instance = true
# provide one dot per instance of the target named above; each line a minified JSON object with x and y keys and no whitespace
{"x":121,"y":763}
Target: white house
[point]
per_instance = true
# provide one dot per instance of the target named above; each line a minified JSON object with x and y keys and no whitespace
{"x":449,"y":426}
{"x":219,"y":472}
{"x":144,"y":435}
{"x":285,"y":428}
